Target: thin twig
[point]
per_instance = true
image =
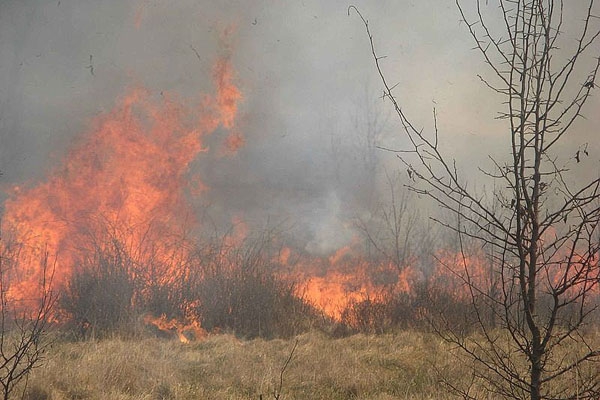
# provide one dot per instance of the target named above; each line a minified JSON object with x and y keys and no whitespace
{"x":277,"y":393}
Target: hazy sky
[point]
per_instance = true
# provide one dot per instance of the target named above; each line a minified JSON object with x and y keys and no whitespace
{"x":306,"y":75}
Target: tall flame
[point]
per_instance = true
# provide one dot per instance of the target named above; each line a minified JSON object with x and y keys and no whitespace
{"x":128,"y":173}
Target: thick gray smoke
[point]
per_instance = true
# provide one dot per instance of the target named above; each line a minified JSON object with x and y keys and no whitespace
{"x":311,"y":114}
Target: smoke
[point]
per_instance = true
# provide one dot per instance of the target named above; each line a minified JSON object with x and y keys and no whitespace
{"x":311,"y":117}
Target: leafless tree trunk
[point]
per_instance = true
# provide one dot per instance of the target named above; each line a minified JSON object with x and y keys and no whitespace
{"x":543,"y":236}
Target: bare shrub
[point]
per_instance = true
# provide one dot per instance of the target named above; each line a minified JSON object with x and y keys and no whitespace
{"x":99,"y":296}
{"x":222,"y":284}
{"x":240,"y":292}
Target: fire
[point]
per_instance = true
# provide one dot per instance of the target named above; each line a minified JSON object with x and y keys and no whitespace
{"x":184,"y":332}
{"x":335,"y":291}
{"x":126,"y":183}
{"x":333,"y":283}
{"x":234,"y":142}
{"x":125,"y":178}
{"x":454,"y":270}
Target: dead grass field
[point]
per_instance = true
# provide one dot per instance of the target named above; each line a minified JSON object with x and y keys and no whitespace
{"x":405,"y":365}
{"x":399,"y":366}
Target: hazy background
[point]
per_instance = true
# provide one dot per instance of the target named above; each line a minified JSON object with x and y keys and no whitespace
{"x":311,"y":113}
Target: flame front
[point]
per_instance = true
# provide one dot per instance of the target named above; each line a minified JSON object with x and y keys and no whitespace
{"x":127,"y":176}
{"x":125,"y":185}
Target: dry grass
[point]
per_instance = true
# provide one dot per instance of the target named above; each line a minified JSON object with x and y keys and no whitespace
{"x":405,"y":365}
{"x":400,"y":366}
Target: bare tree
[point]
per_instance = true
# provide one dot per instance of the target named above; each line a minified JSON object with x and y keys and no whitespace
{"x":23,"y":322}
{"x":392,"y":228}
{"x":543,"y":235}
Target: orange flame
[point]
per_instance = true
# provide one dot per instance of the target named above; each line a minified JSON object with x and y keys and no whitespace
{"x":184,"y":332}
{"x":127,"y":174}
{"x":332,"y":284}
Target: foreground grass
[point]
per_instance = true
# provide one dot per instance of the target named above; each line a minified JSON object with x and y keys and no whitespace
{"x":401,"y":366}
